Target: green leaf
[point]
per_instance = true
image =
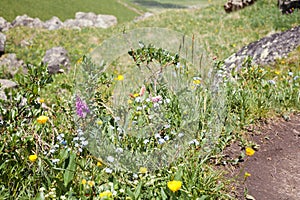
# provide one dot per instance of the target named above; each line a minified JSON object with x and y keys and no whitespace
{"x":163,"y":194}
{"x":40,"y":196}
{"x":138,"y":190}
{"x":70,"y":171}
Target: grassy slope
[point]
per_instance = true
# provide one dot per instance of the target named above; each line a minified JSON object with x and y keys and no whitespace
{"x":64,"y":9}
{"x":220,"y":33}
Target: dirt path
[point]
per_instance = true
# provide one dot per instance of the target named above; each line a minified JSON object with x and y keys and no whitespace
{"x":275,"y":167}
{"x":130,"y":7}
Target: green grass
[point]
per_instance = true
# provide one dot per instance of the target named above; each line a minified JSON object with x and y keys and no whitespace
{"x":64,"y":9}
{"x":248,"y":98}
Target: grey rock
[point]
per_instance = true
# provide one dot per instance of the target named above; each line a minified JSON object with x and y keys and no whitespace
{"x":12,"y":65}
{"x":2,"y":43}
{"x":89,"y":16}
{"x":57,"y":59}
{"x":6,"y":84}
{"x":234,"y":5}
{"x":266,"y":50}
{"x":4,"y":25}
{"x":24,"y":20}
{"x":53,"y":24}
{"x":105,"y":21}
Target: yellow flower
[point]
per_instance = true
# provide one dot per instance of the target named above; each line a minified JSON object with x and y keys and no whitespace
{"x":247,"y":175}
{"x":129,"y":101}
{"x":277,"y":72}
{"x":99,"y":122}
{"x":120,"y":78}
{"x":91,"y":183}
{"x":197,"y":82}
{"x":143,"y":170}
{"x":136,"y":95}
{"x":99,"y":164}
{"x":83,"y":181}
{"x":249,"y":151}
{"x":174,"y":185}
{"x":105,"y":194}
{"x":33,"y":157}
{"x":41,"y":100}
{"x":42,"y":119}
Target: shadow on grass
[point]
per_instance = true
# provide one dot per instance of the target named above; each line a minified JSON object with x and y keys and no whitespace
{"x":149,"y":3}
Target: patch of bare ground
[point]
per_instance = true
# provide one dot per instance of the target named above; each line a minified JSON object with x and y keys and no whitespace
{"x":275,"y":166}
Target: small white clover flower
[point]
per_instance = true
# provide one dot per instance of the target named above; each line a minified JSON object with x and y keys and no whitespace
{"x":110,"y":159}
{"x":146,"y":141}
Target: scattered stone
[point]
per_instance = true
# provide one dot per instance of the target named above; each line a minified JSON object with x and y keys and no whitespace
{"x":4,"y":25}
{"x":12,"y":65}
{"x":234,"y":5}
{"x":77,"y":23}
{"x":105,"y":21}
{"x":6,"y":84}
{"x":24,"y":20}
{"x":2,"y":43}
{"x":143,"y":17}
{"x":288,"y":6}
{"x":266,"y":50}
{"x":53,"y":24}
{"x":56,"y":59}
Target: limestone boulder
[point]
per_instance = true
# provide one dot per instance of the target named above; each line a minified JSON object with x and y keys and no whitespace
{"x":57,"y":60}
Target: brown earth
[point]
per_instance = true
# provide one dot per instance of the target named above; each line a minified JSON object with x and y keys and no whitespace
{"x":275,"y":166}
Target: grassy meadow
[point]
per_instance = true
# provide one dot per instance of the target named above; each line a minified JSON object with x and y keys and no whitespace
{"x":62,"y":139}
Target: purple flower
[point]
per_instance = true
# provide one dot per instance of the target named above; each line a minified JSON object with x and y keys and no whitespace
{"x":81,"y":107}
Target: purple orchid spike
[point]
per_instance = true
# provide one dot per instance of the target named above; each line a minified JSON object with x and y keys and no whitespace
{"x":81,"y":107}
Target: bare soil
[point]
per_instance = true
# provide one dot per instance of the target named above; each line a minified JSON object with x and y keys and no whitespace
{"x":275,"y":166}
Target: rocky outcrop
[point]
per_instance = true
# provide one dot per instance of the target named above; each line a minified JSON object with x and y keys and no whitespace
{"x":12,"y":65}
{"x":53,"y":24}
{"x":24,"y":20}
{"x":6,"y":84}
{"x":4,"y":25}
{"x":267,"y":49}
{"x":233,"y":5}
{"x":143,"y":17}
{"x":2,"y":43}
{"x":57,"y":60}
{"x":288,"y":6}
{"x":81,"y":20}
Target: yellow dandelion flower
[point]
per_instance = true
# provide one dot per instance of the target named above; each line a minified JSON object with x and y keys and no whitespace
{"x":99,"y":164}
{"x":41,"y":100}
{"x":136,"y":95}
{"x":174,"y":185}
{"x":106,"y":193}
{"x":33,"y":157}
{"x":91,"y":183}
{"x":246,"y":175}
{"x":99,"y":122}
{"x":250,"y":151}
{"x":277,"y":72}
{"x":143,"y":170}
{"x":119,"y":78}
{"x":197,"y":82}
{"x":42,"y":119}
{"x":83,"y":181}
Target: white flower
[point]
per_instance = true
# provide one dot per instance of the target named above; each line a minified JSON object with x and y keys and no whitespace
{"x":167,"y":101}
{"x":52,"y":150}
{"x":42,"y":189}
{"x":110,"y":159}
{"x":161,"y":141}
{"x":54,"y":161}
{"x":291,"y":73}
{"x":84,"y":143}
{"x":194,"y":141}
{"x":156,"y":105}
{"x":119,"y":150}
{"x":117,"y":118}
{"x":167,"y":126}
{"x":135,"y":176}
{"x":166,"y":137}
{"x":63,"y":197}
{"x":108,"y":170}
{"x":146,"y":141}
{"x":75,"y":138}
{"x":139,"y":108}
{"x":138,"y":99}
{"x":157,"y":135}
{"x":180,"y":135}
{"x":272,"y":82}
{"x":296,"y":77}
